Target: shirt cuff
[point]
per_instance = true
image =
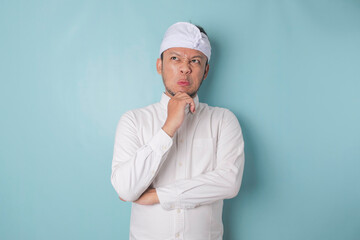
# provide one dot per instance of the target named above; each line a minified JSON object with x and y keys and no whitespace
{"x":166,"y":198}
{"x":161,"y":142}
{"x":169,"y":199}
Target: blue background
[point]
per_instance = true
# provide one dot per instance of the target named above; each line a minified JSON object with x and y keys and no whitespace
{"x":289,"y":70}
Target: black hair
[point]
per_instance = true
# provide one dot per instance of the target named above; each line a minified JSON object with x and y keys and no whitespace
{"x":201,"y":29}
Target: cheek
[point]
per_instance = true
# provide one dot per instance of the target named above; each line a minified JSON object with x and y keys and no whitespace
{"x":200,"y":75}
{"x":170,"y":70}
{"x":173,"y":69}
{"x":169,"y":75}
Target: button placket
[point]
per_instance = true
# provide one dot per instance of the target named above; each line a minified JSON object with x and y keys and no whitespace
{"x":181,"y":157}
{"x":179,"y":224}
{"x":180,"y":174}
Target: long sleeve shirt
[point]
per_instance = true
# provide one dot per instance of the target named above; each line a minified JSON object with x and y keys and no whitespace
{"x":192,"y":172}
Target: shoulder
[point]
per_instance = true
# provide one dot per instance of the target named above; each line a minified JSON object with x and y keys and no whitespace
{"x":216,"y":112}
{"x":223,"y":117}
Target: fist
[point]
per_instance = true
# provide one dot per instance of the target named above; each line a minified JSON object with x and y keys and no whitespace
{"x":176,"y":112}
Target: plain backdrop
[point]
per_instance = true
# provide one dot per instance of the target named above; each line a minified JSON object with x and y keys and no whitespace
{"x":288,"y":69}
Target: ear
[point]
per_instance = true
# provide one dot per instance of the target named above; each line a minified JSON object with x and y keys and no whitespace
{"x":206,"y":71}
{"x":159,"y":66}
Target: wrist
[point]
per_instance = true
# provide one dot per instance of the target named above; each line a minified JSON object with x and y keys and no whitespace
{"x":168,"y":130}
{"x":156,"y":198}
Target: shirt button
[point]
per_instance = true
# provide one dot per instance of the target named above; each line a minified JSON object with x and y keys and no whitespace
{"x":180,"y":164}
{"x":177,"y":235}
{"x":178,"y":211}
{"x":163,"y":147}
{"x":181,"y":141}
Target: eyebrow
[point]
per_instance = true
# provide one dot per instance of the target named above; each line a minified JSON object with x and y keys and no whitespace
{"x":197,"y":56}
{"x":174,"y":53}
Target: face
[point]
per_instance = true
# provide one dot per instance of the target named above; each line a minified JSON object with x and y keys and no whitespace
{"x":182,"y":70}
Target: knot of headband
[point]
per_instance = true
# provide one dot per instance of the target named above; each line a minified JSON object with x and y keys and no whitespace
{"x":187,"y":35}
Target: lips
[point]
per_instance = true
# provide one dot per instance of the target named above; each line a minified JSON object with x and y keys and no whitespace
{"x":183,"y":83}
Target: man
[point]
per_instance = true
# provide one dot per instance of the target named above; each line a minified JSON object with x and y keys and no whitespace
{"x":177,"y":160}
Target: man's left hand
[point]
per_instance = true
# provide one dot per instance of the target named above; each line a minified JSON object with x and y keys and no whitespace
{"x":149,"y":197}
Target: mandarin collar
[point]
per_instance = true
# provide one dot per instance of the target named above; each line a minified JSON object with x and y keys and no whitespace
{"x":165,"y":100}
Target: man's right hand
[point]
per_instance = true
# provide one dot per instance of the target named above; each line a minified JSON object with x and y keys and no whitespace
{"x":176,"y":112}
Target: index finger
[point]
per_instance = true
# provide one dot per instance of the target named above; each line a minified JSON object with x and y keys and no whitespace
{"x":191,"y":102}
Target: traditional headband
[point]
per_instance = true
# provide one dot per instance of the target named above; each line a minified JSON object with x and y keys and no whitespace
{"x":187,"y":35}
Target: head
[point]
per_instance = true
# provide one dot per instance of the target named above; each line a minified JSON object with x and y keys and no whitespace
{"x":184,"y":59}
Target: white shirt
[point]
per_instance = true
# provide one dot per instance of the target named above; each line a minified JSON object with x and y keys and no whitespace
{"x":192,"y":172}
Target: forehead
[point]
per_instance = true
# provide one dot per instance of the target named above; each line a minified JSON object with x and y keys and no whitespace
{"x":184,"y":52}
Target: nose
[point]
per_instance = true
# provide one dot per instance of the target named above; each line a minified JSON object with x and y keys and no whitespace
{"x":185,"y":68}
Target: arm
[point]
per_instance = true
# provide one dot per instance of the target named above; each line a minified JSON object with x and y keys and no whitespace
{"x":134,"y":166}
{"x":222,"y":183}
{"x":173,"y":121}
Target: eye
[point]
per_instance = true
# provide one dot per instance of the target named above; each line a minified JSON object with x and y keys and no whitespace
{"x":195,"y":61}
{"x":174,"y":58}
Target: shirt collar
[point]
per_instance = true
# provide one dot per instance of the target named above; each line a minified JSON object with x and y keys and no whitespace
{"x":165,"y":100}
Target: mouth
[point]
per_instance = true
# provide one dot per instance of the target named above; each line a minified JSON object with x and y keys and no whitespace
{"x":183,"y":83}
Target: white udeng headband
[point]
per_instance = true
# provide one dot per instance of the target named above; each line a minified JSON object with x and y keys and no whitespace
{"x":187,"y":35}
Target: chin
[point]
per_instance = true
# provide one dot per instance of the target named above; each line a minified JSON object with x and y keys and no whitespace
{"x":190,"y":93}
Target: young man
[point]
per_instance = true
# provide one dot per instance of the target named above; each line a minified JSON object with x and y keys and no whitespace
{"x":177,"y":159}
